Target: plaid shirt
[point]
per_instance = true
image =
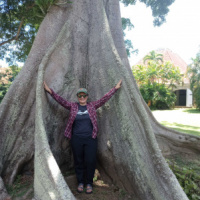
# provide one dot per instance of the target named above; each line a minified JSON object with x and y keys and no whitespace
{"x":91,"y":107}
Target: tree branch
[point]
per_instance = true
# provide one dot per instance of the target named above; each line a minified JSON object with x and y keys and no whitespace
{"x":16,"y":37}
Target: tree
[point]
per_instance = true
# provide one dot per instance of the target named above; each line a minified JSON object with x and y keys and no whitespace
{"x":126,"y":24}
{"x":7,"y":75}
{"x":156,"y":82}
{"x":153,"y":56}
{"x":194,"y":75}
{"x":82,"y":45}
{"x":20,"y":20}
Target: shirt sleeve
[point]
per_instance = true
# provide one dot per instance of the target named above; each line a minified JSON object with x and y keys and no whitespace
{"x":105,"y":98}
{"x":66,"y":104}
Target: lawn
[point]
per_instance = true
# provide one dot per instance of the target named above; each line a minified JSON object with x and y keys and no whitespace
{"x":186,"y":168}
{"x":185,"y":120}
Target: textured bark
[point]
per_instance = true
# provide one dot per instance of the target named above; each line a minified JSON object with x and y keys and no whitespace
{"x":48,"y":180}
{"x":3,"y":192}
{"x":82,"y":46}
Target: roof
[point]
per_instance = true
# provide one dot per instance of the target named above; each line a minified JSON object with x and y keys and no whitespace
{"x":174,"y":58}
{"x":169,"y":55}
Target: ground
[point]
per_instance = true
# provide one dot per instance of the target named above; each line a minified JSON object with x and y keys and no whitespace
{"x":101,"y":190}
{"x":182,"y":119}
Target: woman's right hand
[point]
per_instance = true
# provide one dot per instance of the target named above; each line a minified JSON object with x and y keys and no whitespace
{"x":47,"y":88}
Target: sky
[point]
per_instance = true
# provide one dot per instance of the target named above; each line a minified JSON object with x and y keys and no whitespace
{"x":180,"y":33}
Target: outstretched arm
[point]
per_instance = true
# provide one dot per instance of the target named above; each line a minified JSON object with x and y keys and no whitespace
{"x":118,"y":84}
{"x":47,"y":88}
{"x":66,"y":104}
{"x":107,"y":96}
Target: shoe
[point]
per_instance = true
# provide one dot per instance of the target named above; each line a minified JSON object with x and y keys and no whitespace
{"x":89,"y":189}
{"x":80,"y":187}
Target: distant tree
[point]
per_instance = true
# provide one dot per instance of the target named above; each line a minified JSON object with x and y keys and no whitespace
{"x":7,"y":76}
{"x":153,"y":56}
{"x":194,"y":75}
{"x":166,"y":73}
{"x":170,"y":74}
{"x":126,"y":24}
{"x":156,"y":82}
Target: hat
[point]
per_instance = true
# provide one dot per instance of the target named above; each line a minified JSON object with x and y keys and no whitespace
{"x":82,"y":90}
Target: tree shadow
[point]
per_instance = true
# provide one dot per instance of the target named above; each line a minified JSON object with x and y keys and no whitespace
{"x":193,"y":130}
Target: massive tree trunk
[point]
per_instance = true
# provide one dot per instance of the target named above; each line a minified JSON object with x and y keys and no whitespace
{"x":81,"y":45}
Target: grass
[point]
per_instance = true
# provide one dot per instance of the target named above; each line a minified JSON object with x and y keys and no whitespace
{"x":20,"y":186}
{"x":194,"y":130}
{"x":191,"y":110}
{"x":184,"y":120}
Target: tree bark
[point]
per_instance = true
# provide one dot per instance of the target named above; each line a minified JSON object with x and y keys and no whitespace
{"x":173,"y":142}
{"x":82,"y":45}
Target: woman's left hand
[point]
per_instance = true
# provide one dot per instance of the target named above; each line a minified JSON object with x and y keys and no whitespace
{"x":118,"y":84}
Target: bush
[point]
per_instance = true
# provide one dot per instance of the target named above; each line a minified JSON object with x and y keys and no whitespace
{"x":188,"y":179}
{"x":196,"y":95}
{"x":159,"y":95}
{"x":7,"y":75}
{"x":156,"y":81}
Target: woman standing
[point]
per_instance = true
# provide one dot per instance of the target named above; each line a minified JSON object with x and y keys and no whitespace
{"x":82,"y":130}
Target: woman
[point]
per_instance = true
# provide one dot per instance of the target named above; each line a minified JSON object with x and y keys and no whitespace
{"x":82,"y":130}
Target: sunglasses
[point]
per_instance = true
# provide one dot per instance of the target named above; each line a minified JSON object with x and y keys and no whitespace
{"x":84,"y":95}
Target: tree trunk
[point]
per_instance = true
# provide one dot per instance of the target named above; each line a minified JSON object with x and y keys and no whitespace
{"x":81,"y":45}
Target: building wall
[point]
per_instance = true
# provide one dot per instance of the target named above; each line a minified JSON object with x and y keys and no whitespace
{"x":188,"y":98}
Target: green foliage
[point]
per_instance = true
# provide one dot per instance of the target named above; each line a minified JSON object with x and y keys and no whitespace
{"x":7,"y":75}
{"x":153,"y":56}
{"x":158,"y":96}
{"x":3,"y":90}
{"x":165,"y":73}
{"x":12,"y":14}
{"x":196,"y":95}
{"x":194,"y":75}
{"x":126,"y":24}
{"x":44,"y":6}
{"x":188,"y":179}
{"x":159,"y":8}
{"x":20,"y":21}
{"x":129,"y":48}
{"x":156,"y":81}
{"x":128,"y":2}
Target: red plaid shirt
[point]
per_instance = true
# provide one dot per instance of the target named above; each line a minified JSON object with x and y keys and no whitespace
{"x":91,"y":107}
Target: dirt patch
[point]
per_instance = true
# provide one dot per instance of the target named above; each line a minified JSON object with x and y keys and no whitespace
{"x":101,"y":191}
{"x":22,"y":189}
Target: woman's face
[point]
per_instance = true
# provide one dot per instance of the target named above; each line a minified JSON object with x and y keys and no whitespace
{"x":82,"y":98}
